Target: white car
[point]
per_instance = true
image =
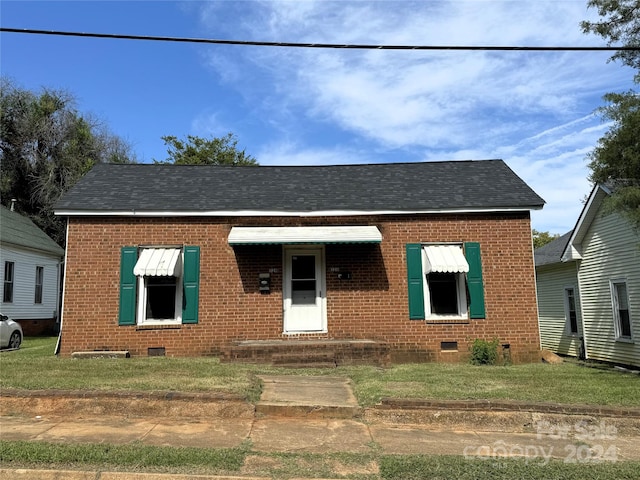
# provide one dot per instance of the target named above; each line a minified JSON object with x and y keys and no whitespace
{"x":10,"y":333}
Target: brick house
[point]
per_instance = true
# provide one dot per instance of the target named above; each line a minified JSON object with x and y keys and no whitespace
{"x":415,"y":258}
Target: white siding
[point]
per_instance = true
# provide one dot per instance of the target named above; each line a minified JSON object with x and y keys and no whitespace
{"x":551,"y":281}
{"x":610,"y":250}
{"x":23,"y":306}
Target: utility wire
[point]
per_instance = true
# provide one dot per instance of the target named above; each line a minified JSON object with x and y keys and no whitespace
{"x":314,"y":45}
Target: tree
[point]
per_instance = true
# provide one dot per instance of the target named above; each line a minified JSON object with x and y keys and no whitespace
{"x":619,"y":24}
{"x":616,"y":159}
{"x":540,"y":239}
{"x":200,"y":151}
{"x":46,"y":146}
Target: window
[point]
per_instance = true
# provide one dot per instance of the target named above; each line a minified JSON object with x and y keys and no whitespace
{"x":39,"y":278}
{"x":620,"y":305}
{"x":570,"y":312}
{"x":159,"y":286}
{"x":445,"y":281}
{"x":161,"y":300}
{"x":303,"y":279}
{"x":444,"y":288}
{"x":7,"y":293}
{"x":158,"y":271}
{"x":446,"y":295}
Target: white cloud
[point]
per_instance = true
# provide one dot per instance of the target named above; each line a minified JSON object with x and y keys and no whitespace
{"x":534,"y":109}
{"x":291,"y":153}
{"x":208,"y":125}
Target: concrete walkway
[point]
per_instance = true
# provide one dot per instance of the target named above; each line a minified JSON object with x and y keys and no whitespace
{"x":292,"y":396}
{"x":321,"y":415}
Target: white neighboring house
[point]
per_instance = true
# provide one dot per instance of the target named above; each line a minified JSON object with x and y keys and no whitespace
{"x":31,"y":265}
{"x":588,"y":284}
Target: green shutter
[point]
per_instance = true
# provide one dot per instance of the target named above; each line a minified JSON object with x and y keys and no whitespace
{"x":128,"y":283}
{"x":190,"y":284}
{"x":474,"y":280}
{"x":415,"y":282}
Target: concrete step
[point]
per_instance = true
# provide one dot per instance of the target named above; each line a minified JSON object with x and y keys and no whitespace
{"x":306,"y":365}
{"x":311,"y":397}
{"x":304,"y":360}
{"x":308,"y":352}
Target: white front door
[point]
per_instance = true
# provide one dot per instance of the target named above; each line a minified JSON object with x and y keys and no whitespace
{"x":304,"y":295}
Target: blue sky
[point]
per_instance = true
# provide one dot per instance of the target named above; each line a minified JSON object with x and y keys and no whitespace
{"x":289,"y":106}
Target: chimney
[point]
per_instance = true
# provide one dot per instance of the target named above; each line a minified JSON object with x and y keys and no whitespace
{"x":13,"y":204}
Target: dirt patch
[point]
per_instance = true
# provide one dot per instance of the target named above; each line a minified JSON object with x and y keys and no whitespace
{"x":299,"y":466}
{"x":173,"y":405}
{"x":128,"y":405}
{"x":348,"y":469}
{"x":260,"y":465}
{"x":516,"y":422}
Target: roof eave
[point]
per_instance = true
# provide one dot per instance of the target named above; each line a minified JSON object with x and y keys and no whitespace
{"x":572,"y":250}
{"x":280,"y":213}
{"x":54,"y":252}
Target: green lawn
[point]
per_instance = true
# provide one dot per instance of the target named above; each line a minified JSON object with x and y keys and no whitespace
{"x":35,"y":367}
{"x":245,"y":461}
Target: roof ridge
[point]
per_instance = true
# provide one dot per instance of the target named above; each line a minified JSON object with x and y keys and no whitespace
{"x":372,"y":164}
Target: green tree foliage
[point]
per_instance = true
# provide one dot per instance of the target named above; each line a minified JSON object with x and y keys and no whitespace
{"x":620,"y":26}
{"x":201,"y":151}
{"x":616,"y":159}
{"x":540,"y":239}
{"x":46,"y":146}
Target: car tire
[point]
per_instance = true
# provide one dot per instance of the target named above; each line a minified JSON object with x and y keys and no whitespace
{"x":15,"y":340}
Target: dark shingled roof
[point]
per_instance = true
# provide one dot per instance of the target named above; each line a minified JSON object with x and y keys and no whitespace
{"x":457,"y":185}
{"x":552,"y":251}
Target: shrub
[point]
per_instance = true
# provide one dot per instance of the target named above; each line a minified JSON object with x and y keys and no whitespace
{"x":484,"y":352}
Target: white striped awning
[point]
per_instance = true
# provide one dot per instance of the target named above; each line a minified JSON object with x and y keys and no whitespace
{"x":302,"y":235}
{"x":158,"y":262}
{"x":445,"y":259}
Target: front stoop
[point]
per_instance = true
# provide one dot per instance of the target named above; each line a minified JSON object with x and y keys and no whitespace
{"x":308,"y":353}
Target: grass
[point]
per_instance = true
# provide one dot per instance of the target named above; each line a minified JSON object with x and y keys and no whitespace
{"x":35,"y":367}
{"x":128,"y":457}
{"x":244,"y":461}
{"x":569,"y":383}
{"x":419,"y":467}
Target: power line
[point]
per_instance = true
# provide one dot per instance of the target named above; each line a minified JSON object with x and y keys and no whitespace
{"x":315,"y":45}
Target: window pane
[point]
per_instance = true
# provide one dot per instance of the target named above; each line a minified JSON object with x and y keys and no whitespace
{"x":303,"y":267}
{"x":7,"y":293}
{"x":443,"y":290}
{"x":297,"y":285}
{"x":39,"y":277}
{"x":621,"y":293}
{"x":571,"y":299}
{"x":8,"y":271}
{"x":303,"y":297}
{"x":161,"y":298}
{"x":303,"y":279}
{"x":571,"y":306}
{"x":573,"y":322}
{"x":625,"y":324}
{"x":622,"y":300}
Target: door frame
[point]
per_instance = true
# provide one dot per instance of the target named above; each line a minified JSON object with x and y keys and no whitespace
{"x":288,"y":251}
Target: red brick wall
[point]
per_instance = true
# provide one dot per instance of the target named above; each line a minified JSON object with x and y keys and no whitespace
{"x":372,"y":305}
